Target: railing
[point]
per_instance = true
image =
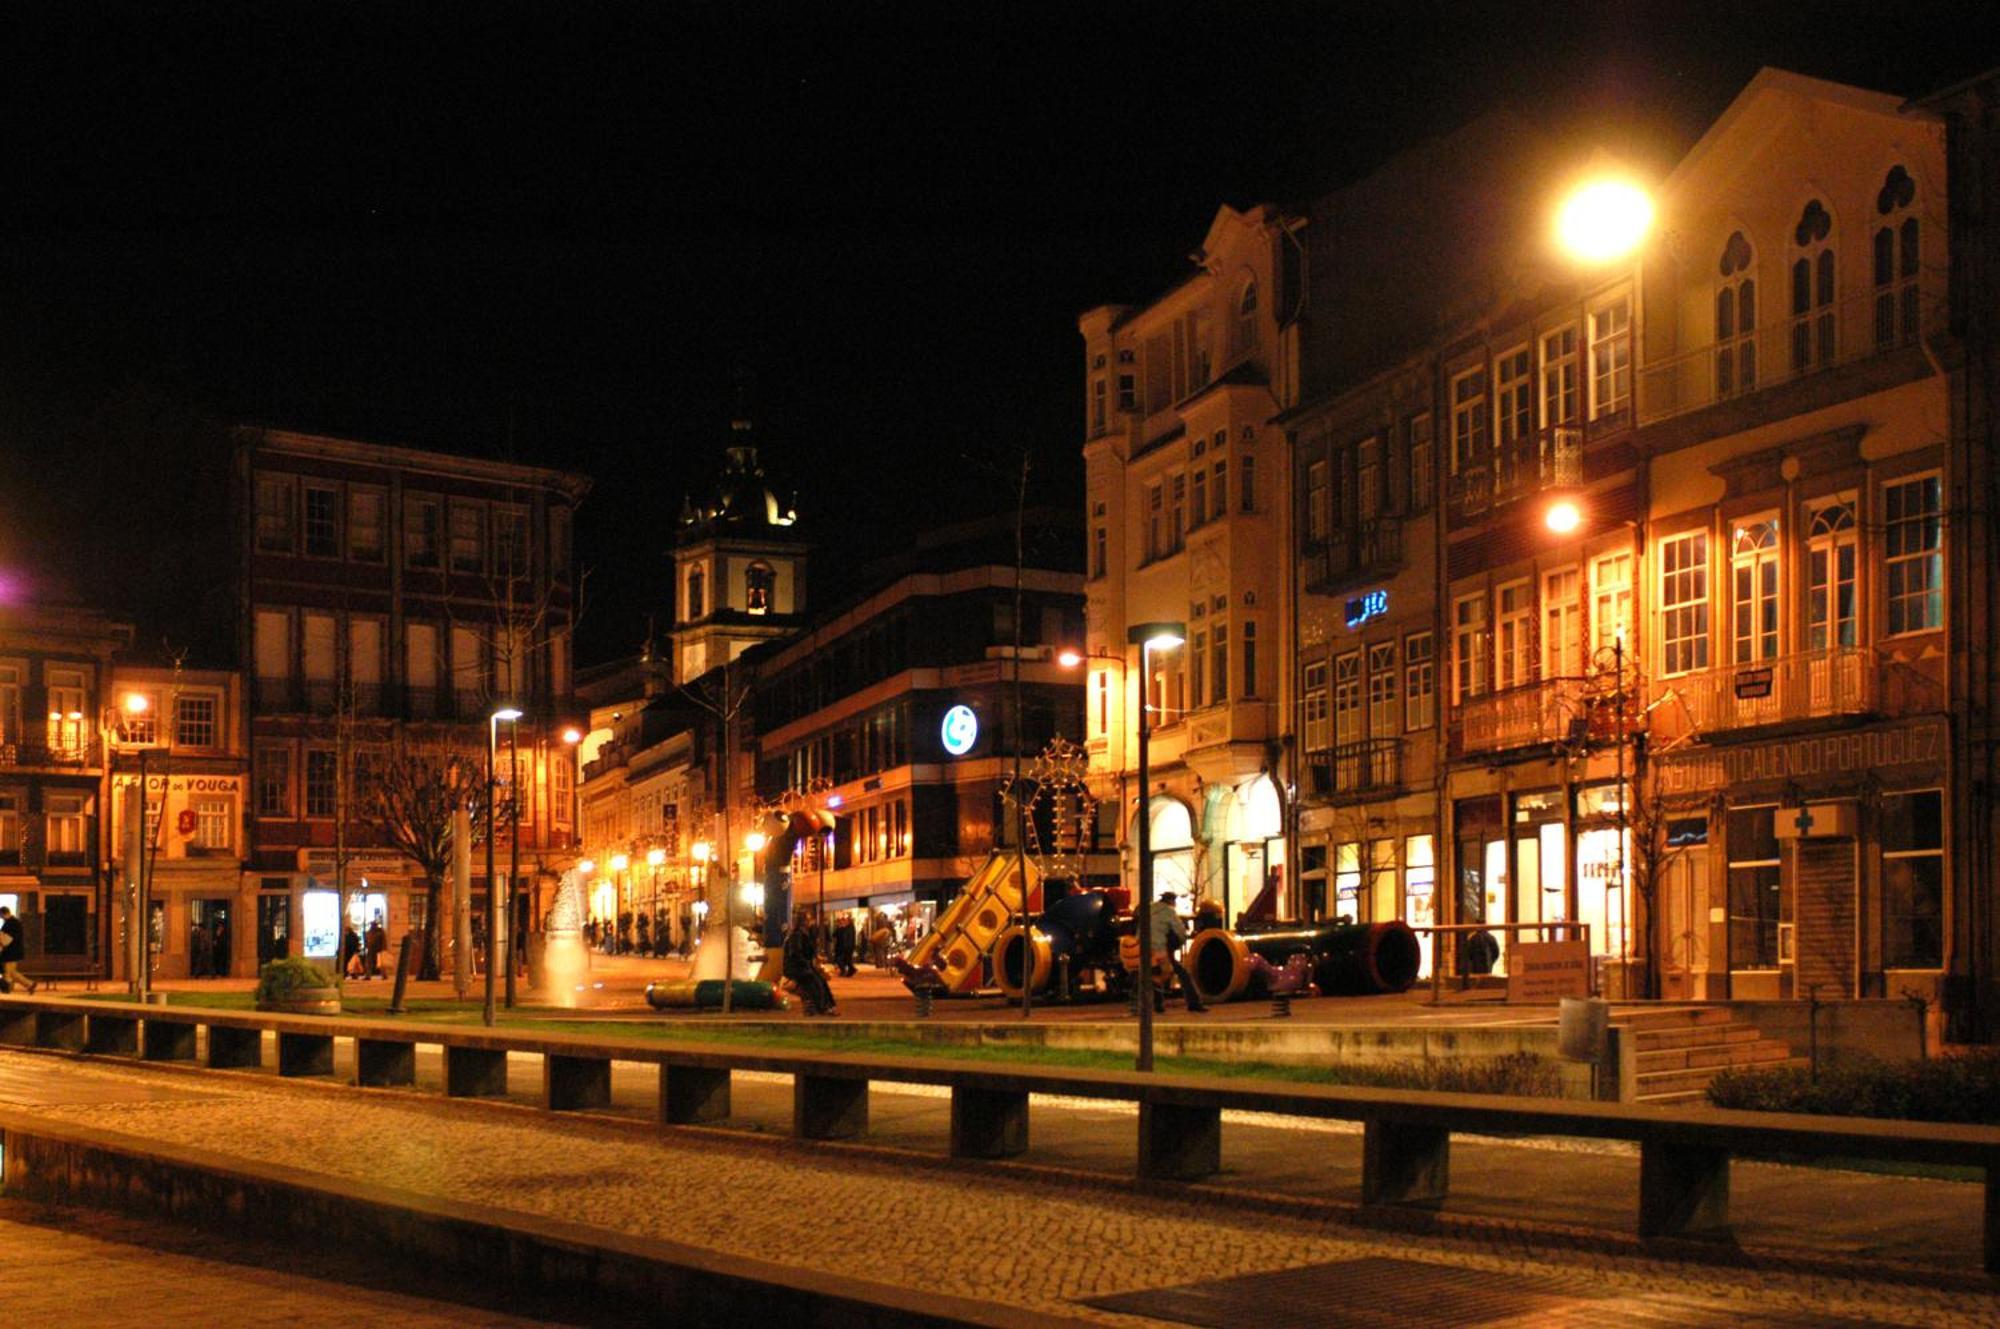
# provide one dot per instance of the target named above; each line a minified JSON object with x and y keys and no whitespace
{"x":1369,"y":547}
{"x":1792,"y":687}
{"x":1371,"y":765}
{"x":1527,"y":465}
{"x":1684,"y":1154}
{"x":87,"y":752}
{"x":1548,"y":711}
{"x":1786,"y":350}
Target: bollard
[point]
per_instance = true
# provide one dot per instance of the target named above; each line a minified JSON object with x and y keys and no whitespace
{"x":402,"y":972}
{"x":923,"y":1003}
{"x":1281,"y":1006}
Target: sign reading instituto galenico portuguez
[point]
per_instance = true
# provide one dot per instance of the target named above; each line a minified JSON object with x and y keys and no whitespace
{"x":1803,"y":758}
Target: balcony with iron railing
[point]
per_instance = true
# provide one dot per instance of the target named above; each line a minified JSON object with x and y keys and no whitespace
{"x":1356,"y":770}
{"x":82,"y":754}
{"x":1516,"y":469}
{"x":1366,"y":550}
{"x":1787,"y":352}
{"x":1552,"y":710}
{"x":1847,"y":682}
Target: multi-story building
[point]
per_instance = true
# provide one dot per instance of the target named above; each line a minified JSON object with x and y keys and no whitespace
{"x":392,"y":600}
{"x":55,"y":673}
{"x":1188,"y":507}
{"x":898,"y":710}
{"x":182,"y":732}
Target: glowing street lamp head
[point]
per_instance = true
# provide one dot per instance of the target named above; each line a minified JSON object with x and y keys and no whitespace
{"x":137,"y":703}
{"x":1069,"y":659}
{"x":755,"y":842}
{"x":1603,"y":220}
{"x":1563,"y":516}
{"x":1156,"y":636}
{"x":700,"y":849}
{"x":655,"y":857}
{"x":620,"y":862}
{"x":507,"y":713}
{"x":572,"y":736}
{"x":587,"y":866}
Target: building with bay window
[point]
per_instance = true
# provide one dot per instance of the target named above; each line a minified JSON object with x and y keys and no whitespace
{"x":1188,"y":492}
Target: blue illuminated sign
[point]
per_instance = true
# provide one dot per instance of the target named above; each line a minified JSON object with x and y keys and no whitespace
{"x":961,"y":730}
{"x":1361,"y":608}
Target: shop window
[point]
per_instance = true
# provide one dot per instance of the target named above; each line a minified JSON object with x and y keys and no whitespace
{"x":1347,"y":882}
{"x":1914,"y":547}
{"x":1913,"y":880}
{"x":1420,"y":890}
{"x":1755,"y":888}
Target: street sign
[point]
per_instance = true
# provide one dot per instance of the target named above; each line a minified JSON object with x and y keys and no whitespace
{"x":1547,"y":970}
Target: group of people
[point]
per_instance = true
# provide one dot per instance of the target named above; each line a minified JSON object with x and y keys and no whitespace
{"x":632,"y":934}
{"x":361,"y":952}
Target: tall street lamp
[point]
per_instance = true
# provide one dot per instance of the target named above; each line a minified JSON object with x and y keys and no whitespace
{"x":699,"y":851}
{"x":517,"y":936}
{"x":654,"y":857}
{"x":136,"y":704}
{"x":509,"y":714}
{"x":1148,"y":637}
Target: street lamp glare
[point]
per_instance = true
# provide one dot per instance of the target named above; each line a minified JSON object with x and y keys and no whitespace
{"x":755,"y":842}
{"x":507,"y":713}
{"x":1563,"y":516}
{"x":655,"y":857}
{"x":1603,"y":220}
{"x":700,"y":850}
{"x":619,"y":862}
{"x":137,"y":703}
{"x":586,"y":867}
{"x":1164,"y":641}
{"x":1070,"y":659}
{"x":572,"y":736}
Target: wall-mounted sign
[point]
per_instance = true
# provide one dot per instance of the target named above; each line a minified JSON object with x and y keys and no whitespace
{"x":960,"y":731}
{"x":1361,"y":608}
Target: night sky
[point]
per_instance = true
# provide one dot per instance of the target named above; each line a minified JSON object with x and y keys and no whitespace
{"x":559,"y":232}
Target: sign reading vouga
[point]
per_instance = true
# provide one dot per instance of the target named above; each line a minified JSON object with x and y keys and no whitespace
{"x":1547,"y":970}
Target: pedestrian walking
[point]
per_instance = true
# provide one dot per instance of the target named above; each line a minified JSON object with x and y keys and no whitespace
{"x":12,"y":950}
{"x":377,"y":941}
{"x":645,"y":934}
{"x":200,"y":952}
{"x":1169,"y":935}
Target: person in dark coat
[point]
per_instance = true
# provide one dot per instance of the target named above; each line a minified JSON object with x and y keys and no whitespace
{"x":13,"y":949}
{"x":802,"y":967}
{"x":376,"y":942}
{"x":843,"y":946}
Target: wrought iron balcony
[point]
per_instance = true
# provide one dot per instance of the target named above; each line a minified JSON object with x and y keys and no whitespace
{"x":1357,"y":770}
{"x":83,"y":753}
{"x":1555,"y":710}
{"x":1367,"y":549}
{"x":1524,"y":466}
{"x":1793,"y":687}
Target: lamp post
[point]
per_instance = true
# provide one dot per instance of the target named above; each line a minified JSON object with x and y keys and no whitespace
{"x":1147,"y":637}
{"x":699,"y":851}
{"x":517,"y":940}
{"x":135,"y":705}
{"x":654,"y":857}
{"x":510,"y":715}
{"x":572,"y":737}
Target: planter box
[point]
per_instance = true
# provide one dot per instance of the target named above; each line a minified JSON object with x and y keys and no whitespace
{"x":305,"y":1001}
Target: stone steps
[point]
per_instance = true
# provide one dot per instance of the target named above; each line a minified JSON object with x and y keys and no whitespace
{"x":1741,"y":1052}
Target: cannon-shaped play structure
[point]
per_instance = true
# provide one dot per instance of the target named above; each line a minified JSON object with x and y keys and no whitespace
{"x":1092,"y":932}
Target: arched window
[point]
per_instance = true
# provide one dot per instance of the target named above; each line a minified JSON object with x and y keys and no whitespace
{"x":1754,"y":593}
{"x":1736,"y":319}
{"x":1246,"y":319}
{"x":1830,"y":613}
{"x":1896,"y":258}
{"x":759,"y":583}
{"x":697,"y":594}
{"x":1813,"y":324}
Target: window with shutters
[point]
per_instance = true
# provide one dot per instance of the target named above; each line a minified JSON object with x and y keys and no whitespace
{"x":1611,"y":358}
{"x":1469,"y":646}
{"x":1347,"y":699}
{"x":1468,"y":421}
{"x":1560,"y":371}
{"x":1514,"y":396}
{"x":1515,"y":624}
{"x":1382,"y":716}
{"x":1317,"y":733}
{"x":1562,"y":624}
{"x":1419,"y":682}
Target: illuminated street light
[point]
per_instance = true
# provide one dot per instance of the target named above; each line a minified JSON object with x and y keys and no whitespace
{"x":1070,"y":658}
{"x":587,"y":866}
{"x":620,"y":862}
{"x":700,"y":849}
{"x":137,"y":703}
{"x":655,"y":857}
{"x":1563,"y":516}
{"x":755,"y":842}
{"x":1148,"y":637}
{"x":1603,"y":220}
{"x":572,"y":736}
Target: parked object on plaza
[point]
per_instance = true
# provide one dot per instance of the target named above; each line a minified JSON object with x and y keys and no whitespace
{"x":706,"y":995}
{"x":950,"y":959}
{"x":1338,"y":959}
{"x":297,"y":986}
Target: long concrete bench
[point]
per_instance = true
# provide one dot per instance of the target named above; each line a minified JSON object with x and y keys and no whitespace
{"x":1684,"y":1156}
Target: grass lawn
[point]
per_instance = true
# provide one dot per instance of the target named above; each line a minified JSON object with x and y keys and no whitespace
{"x":1522,"y":1074}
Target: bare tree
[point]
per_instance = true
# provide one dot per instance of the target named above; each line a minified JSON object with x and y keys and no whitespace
{"x":414,"y":797}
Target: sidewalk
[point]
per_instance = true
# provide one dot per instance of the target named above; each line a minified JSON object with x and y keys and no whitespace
{"x":1064,"y":1228}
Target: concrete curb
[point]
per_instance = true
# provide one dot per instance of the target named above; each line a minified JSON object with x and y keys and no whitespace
{"x":616,"y":1277}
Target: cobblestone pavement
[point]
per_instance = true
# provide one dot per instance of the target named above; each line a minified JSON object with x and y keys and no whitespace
{"x":1040,"y":1242}
{"x":71,"y":1267}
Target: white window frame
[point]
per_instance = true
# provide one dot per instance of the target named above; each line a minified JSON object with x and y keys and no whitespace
{"x":1382,"y":707}
{"x":1513,"y":395}
{"x":1755,"y":601}
{"x":1514,"y":628}
{"x":1470,"y":443}
{"x":1611,"y":356}
{"x":1610,"y":599}
{"x":1318,"y":711}
{"x":1894,"y":530}
{"x":1470,"y":647}
{"x":1347,"y":715}
{"x":1560,"y":363}
{"x":1562,"y":623}
{"x":1833,"y":560}
{"x":1419,"y":681}
{"x":1684,"y":603}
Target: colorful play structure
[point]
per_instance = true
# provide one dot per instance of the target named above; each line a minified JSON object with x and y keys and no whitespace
{"x":1086,"y":941}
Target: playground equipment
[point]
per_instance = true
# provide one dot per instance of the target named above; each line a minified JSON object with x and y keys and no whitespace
{"x":706,"y":994}
{"x":951,"y":958}
{"x":1340,"y":959}
{"x":1081,"y":929}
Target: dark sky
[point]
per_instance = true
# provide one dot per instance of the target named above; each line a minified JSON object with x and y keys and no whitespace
{"x":556,"y":232}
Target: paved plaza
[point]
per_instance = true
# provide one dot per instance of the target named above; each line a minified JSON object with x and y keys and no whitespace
{"x":1063,"y":1227}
